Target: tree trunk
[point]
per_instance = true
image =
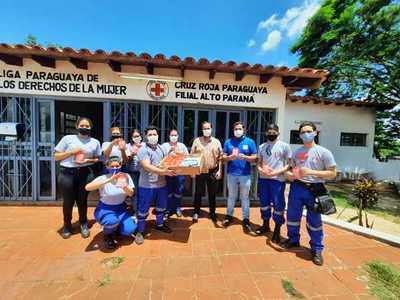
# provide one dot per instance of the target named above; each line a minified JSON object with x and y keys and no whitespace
{"x":360,"y":209}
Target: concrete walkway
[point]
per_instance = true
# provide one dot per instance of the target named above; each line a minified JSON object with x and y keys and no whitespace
{"x":199,"y":261}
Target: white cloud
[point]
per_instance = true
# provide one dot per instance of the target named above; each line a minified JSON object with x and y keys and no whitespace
{"x":283,"y":63}
{"x":272,"y":41}
{"x":267,"y":24}
{"x":294,"y":19}
{"x":251,"y":43}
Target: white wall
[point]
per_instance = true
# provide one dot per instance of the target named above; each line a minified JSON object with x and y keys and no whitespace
{"x":333,"y":120}
{"x":389,"y":170}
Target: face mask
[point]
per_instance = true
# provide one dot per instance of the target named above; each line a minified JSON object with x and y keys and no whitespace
{"x":114,"y":137}
{"x":152,"y":140}
{"x":238,"y":133}
{"x":113,"y":171}
{"x":207,"y":132}
{"x":137,"y":140}
{"x":173,"y":138}
{"x":84,"y":131}
{"x":272,"y":137}
{"x":308,"y":136}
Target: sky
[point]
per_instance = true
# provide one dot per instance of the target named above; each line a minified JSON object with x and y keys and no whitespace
{"x":259,"y":31}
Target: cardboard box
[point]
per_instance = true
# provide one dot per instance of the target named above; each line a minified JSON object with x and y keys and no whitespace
{"x":183,"y":164}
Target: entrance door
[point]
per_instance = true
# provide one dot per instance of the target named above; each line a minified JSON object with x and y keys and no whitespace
{"x":192,"y":119}
{"x":46,"y":169}
{"x":224,"y":121}
{"x":17,"y":157}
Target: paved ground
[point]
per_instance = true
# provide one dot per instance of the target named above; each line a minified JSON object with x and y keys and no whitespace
{"x":198,"y":261}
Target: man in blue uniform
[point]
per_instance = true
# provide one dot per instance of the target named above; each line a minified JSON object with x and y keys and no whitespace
{"x":273,"y":162}
{"x":239,"y":151}
{"x":312,"y":165}
{"x":152,"y":183}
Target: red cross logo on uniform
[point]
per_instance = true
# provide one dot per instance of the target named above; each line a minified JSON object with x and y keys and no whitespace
{"x":157,"y":90}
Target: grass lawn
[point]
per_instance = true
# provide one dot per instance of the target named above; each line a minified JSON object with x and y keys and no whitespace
{"x":341,"y":196}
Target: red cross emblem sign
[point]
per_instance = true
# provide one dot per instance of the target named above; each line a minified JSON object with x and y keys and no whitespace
{"x":157,"y":90}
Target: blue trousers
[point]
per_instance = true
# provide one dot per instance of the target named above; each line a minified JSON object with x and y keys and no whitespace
{"x":145,"y":197}
{"x":238,"y":186}
{"x":300,"y":196}
{"x":272,"y":194}
{"x":175,"y":191}
{"x":112,"y":216}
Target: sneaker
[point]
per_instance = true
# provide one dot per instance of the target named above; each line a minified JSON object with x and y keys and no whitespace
{"x":276,"y":236}
{"x":195,"y":218}
{"x":246,"y":225}
{"x":288,"y":244}
{"x":85,"y":231}
{"x":264,"y":228}
{"x":67,"y":232}
{"x":109,"y":242}
{"x":179,"y":213}
{"x":164,"y":228}
{"x":317,"y":258}
{"x":139,"y":239}
{"x":227,"y":221}
{"x":213,"y":217}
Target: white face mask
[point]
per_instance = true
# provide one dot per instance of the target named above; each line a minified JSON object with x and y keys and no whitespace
{"x":137,"y":140}
{"x":152,"y":139}
{"x":238,"y":133}
{"x":173,"y":138}
{"x":207,"y":132}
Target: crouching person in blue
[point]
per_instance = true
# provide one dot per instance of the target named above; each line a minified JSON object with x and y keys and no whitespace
{"x":312,"y":165}
{"x":152,"y":184}
{"x":111,"y":211}
{"x":273,"y":162}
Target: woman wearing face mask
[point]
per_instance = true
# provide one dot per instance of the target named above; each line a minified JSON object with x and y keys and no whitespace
{"x":111,"y":212}
{"x":239,"y":152}
{"x":273,"y":162}
{"x":175,"y":184}
{"x":211,"y":170}
{"x":133,"y":165}
{"x":117,"y":146}
{"x":77,"y":153}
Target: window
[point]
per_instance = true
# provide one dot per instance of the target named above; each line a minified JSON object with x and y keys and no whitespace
{"x":296,"y":140}
{"x":353,"y":139}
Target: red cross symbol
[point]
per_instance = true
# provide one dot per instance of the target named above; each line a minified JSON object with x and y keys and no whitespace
{"x":157,"y":89}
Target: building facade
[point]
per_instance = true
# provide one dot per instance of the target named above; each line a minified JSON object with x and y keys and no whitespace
{"x":48,"y":89}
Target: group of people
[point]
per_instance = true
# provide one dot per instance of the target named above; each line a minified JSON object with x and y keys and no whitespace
{"x":132,"y":170}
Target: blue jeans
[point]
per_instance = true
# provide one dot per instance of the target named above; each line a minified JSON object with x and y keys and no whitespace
{"x":239,"y":186}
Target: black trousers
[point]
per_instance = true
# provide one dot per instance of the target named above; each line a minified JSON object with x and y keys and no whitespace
{"x":72,"y":183}
{"x":202,"y":180}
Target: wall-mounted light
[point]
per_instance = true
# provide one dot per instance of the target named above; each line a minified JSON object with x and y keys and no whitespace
{"x":151,"y":77}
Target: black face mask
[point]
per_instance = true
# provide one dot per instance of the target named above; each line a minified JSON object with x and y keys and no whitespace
{"x":84,"y":131}
{"x":113,"y":137}
{"x":272,"y":137}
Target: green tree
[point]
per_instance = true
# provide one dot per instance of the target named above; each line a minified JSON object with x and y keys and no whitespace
{"x":358,"y":41}
{"x":31,"y":40}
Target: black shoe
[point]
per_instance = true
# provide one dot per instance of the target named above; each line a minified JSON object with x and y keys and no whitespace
{"x":139,"y":239}
{"x":288,"y":244}
{"x":109,"y":242}
{"x":276,"y":236}
{"x":246,"y":225}
{"x":227,"y":221}
{"x":213,"y":217}
{"x":317,"y":258}
{"x":67,"y":232}
{"x":85,"y":231}
{"x":264,"y":228}
{"x":164,"y":228}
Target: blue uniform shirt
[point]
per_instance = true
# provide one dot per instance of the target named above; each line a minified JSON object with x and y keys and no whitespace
{"x":246,"y":146}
